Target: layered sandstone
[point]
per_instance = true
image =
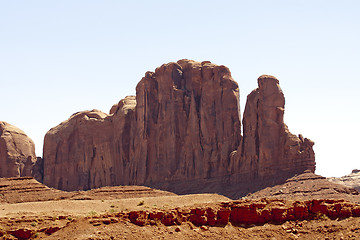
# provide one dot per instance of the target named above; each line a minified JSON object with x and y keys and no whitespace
{"x":248,"y":213}
{"x":182,"y":125}
{"x":17,"y":152}
{"x":269,"y":153}
{"x":182,"y":133}
{"x":307,"y":186}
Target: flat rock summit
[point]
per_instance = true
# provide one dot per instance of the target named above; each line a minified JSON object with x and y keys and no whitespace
{"x":182,"y":133}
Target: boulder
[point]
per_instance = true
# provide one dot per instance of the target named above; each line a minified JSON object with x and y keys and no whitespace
{"x":17,"y":152}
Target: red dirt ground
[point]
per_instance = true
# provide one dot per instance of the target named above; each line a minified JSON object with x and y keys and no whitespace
{"x":30,"y":210}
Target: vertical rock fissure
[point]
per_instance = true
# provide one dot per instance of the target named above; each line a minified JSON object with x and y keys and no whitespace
{"x":257,"y":138}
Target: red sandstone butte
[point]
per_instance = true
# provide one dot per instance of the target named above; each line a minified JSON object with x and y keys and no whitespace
{"x":17,"y":152}
{"x":182,"y":133}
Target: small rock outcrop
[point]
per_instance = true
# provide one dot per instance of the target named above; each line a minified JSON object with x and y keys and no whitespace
{"x":182,"y":133}
{"x":27,"y":189}
{"x":249,"y":213}
{"x":307,"y":186}
{"x":17,"y":152}
{"x":352,"y":180}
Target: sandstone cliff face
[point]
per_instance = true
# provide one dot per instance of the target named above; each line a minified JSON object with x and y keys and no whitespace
{"x":182,"y":125}
{"x":187,"y":122}
{"x":17,"y":152}
{"x":182,"y":133}
{"x":268,"y":150}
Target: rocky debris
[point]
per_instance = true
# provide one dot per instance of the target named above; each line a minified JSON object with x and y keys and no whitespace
{"x":17,"y":152}
{"x":30,"y":227}
{"x":181,"y":133}
{"x":249,"y":212}
{"x":118,"y":226}
{"x":50,"y":230}
{"x":307,"y":186}
{"x":117,"y":192}
{"x":22,"y":233}
{"x":27,"y":189}
{"x":352,"y":180}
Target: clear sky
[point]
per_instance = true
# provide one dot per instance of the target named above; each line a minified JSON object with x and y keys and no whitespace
{"x":61,"y":57}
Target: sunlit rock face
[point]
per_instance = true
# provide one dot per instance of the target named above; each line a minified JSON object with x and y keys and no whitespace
{"x":268,"y":150}
{"x":352,"y":180}
{"x":182,"y":133}
{"x":17,"y":152}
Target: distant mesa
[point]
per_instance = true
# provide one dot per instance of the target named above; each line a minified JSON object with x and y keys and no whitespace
{"x":352,"y":180}
{"x":181,"y":133}
{"x":17,"y":152}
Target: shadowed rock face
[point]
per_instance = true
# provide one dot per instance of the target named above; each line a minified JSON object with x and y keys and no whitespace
{"x":17,"y":152}
{"x":181,"y":133}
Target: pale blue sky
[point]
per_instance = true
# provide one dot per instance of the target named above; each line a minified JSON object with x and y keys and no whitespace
{"x":60,"y":57}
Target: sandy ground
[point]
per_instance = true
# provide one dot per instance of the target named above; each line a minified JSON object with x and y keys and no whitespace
{"x":33,"y":210}
{"x":91,"y":207}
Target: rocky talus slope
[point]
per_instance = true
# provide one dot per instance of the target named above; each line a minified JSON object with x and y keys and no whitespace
{"x":182,"y":133}
{"x":307,"y":186}
{"x":27,"y":189}
{"x":17,"y":152}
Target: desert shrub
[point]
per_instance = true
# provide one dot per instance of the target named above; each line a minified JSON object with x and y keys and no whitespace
{"x":92,"y":213}
{"x":321,"y":216}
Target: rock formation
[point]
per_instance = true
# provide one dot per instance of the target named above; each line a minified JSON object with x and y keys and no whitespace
{"x":182,"y":133}
{"x":268,"y":152}
{"x":307,"y":186}
{"x":249,"y":213}
{"x":352,"y":180}
{"x":27,"y":189}
{"x":17,"y":152}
